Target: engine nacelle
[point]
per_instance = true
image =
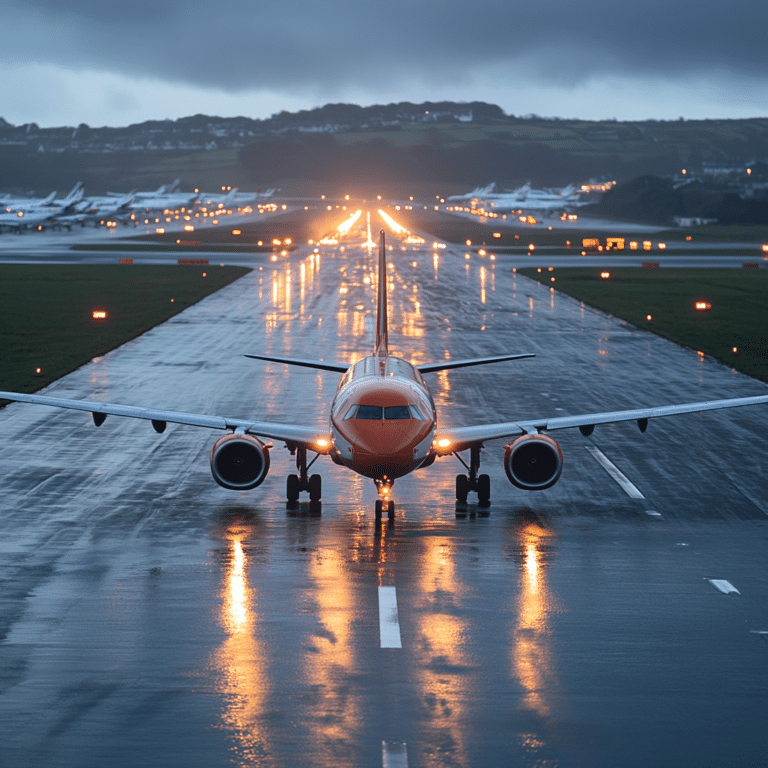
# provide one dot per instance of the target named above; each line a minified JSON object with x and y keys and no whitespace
{"x":239,"y":462}
{"x":533,"y":462}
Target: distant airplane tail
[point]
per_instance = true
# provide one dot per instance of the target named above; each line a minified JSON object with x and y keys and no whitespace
{"x":381,"y":350}
{"x":76,"y":195}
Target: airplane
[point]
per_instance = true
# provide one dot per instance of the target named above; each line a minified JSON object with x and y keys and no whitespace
{"x":523,"y":197}
{"x":383,"y":425}
{"x":10,"y":203}
{"x":39,"y":216}
{"x":96,"y":210}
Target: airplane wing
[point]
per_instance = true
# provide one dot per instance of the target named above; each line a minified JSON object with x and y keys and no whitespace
{"x":448,"y":364}
{"x":319,"y":364}
{"x":462,"y":438}
{"x":425,"y":368}
{"x":291,"y":434}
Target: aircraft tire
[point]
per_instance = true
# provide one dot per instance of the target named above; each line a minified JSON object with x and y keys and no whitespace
{"x":378,"y":509}
{"x":292,"y":488}
{"x":484,"y":490}
{"x":315,"y":487}
{"x":462,"y":488}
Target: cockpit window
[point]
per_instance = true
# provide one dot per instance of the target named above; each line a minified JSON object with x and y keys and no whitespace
{"x":397,"y":412}
{"x":351,"y":412}
{"x":369,"y":412}
{"x":390,"y":412}
{"x":416,"y":412}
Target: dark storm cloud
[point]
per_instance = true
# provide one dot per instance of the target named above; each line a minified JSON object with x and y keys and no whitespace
{"x":308,"y":45}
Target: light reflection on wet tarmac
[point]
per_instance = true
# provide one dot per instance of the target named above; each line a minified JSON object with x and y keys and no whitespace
{"x":150,"y":617}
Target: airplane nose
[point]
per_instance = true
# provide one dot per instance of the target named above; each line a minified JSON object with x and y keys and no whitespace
{"x":385,"y":448}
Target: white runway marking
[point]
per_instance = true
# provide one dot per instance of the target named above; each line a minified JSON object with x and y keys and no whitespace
{"x":394,"y":754}
{"x":614,"y":472}
{"x":723,"y":586}
{"x":652,"y":513}
{"x":389,"y":624}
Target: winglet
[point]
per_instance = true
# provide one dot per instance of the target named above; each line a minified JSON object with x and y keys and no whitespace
{"x":381,"y":350}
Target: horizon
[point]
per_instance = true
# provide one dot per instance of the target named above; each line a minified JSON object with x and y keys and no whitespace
{"x":67,"y":64}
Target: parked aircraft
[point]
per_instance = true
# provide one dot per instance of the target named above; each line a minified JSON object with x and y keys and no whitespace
{"x":96,"y":210}
{"x":523,"y":197}
{"x":14,"y":203}
{"x":41,"y":215}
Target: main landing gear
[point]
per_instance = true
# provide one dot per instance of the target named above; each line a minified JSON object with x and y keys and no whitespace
{"x":295,"y":484}
{"x":472,"y":481}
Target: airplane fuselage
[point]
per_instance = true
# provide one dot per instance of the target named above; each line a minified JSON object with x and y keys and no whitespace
{"x":382,"y":419}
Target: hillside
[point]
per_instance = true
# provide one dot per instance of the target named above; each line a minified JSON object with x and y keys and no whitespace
{"x":449,"y":146}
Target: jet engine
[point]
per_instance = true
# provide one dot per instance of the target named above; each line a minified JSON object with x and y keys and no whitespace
{"x":533,"y":462}
{"x":239,"y":462}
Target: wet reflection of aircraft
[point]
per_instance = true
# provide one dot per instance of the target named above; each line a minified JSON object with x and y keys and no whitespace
{"x":383,"y":425}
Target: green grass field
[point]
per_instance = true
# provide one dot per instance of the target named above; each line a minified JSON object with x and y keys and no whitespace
{"x":738,"y":317}
{"x":46,"y":312}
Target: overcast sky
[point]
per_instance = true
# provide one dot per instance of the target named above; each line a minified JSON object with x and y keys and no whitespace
{"x":109,"y":63}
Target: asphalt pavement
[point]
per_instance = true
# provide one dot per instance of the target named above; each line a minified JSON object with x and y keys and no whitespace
{"x":149,"y":617}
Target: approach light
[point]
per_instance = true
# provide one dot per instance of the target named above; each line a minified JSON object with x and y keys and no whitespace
{"x":702,"y":306}
{"x":605,"y":275}
{"x":99,"y":314}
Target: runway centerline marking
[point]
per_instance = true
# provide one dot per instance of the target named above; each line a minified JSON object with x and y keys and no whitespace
{"x":389,"y":623}
{"x":723,"y":586}
{"x":394,"y":754}
{"x":614,"y":472}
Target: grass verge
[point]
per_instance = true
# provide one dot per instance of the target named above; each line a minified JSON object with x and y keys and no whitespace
{"x":738,"y":317}
{"x":46,"y":311}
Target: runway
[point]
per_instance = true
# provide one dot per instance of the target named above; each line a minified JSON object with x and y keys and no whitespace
{"x":149,"y":617}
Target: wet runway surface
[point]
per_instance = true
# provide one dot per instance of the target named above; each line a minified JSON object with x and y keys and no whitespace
{"x":149,"y":617}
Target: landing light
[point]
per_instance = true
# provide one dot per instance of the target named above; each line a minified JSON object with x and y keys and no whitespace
{"x":702,"y":306}
{"x":99,"y":314}
{"x":443,"y":442}
{"x":605,"y":275}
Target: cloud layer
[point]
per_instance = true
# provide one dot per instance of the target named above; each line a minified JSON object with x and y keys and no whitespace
{"x":307,"y":53}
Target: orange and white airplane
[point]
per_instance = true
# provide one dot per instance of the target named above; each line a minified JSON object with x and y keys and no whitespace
{"x":383,"y":425}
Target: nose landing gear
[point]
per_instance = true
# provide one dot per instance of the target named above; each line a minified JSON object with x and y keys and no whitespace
{"x":384,"y":487}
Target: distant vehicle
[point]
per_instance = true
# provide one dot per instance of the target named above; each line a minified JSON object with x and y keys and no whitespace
{"x":383,"y":425}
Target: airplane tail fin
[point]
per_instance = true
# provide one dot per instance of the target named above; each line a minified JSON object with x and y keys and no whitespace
{"x":381,"y":350}
{"x":76,"y":195}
